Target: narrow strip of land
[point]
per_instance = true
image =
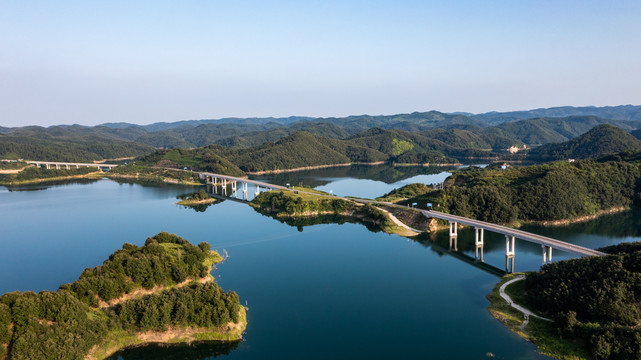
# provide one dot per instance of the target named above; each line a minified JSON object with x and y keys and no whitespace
{"x":526,"y":312}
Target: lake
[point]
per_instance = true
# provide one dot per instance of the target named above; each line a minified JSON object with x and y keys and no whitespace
{"x":313,"y":292}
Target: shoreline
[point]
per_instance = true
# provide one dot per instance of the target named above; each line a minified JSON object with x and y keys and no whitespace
{"x":578,"y":219}
{"x":121,"y":340}
{"x":118,"y":340}
{"x":196,"y":202}
{"x":92,"y":175}
{"x":539,"y":332}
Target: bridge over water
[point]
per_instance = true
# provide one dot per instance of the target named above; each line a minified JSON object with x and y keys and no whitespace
{"x":511,"y":234}
{"x":69,"y":165}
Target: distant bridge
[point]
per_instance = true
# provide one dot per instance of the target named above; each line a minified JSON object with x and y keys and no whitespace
{"x":511,"y":234}
{"x":69,"y":165}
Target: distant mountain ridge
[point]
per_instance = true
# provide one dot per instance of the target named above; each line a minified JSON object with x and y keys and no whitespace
{"x":621,"y":112}
{"x":423,"y":137}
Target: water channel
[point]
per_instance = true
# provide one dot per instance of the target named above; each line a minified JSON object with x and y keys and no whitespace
{"x":314,"y":292}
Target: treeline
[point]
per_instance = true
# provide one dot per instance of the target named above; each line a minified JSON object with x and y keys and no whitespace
{"x":308,"y":209}
{"x":49,"y":325}
{"x":202,"y":159}
{"x":196,"y":196}
{"x":596,"y":300}
{"x":289,"y":204}
{"x":33,"y":173}
{"x":202,"y":305}
{"x":164,"y":260}
{"x":67,"y":323}
{"x":68,"y":148}
{"x":554,"y":191}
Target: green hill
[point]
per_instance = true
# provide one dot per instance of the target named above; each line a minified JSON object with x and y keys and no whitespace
{"x":204,"y":159}
{"x":68,"y":148}
{"x":540,"y":131}
{"x":299,"y":150}
{"x":601,"y":140}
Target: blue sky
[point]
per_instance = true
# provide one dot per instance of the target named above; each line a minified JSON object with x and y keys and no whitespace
{"x":90,"y":62}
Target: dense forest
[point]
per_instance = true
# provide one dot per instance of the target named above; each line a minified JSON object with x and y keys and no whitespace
{"x":68,"y":148}
{"x":553,"y":191}
{"x":595,"y":301}
{"x":303,"y":209}
{"x":599,"y":141}
{"x":67,"y":323}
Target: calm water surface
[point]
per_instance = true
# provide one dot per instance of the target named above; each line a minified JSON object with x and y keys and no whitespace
{"x":328,"y":291}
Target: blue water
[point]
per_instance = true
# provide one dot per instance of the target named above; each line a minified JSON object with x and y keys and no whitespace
{"x":330,"y":291}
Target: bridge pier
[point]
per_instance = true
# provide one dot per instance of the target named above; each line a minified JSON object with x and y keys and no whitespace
{"x":223,"y":189}
{"x":257,"y":190}
{"x":234,"y":189}
{"x":244,"y":185}
{"x":453,"y":229}
{"x":453,"y":236}
{"x":510,"y":251}
{"x":478,"y":243}
{"x":547,"y":254}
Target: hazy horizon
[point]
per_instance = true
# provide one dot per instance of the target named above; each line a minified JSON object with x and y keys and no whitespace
{"x":75,"y":62}
{"x":302,"y":116}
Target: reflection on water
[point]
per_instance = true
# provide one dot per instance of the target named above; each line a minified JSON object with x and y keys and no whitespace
{"x":360,"y":180}
{"x":193,"y":351}
{"x":330,"y":291}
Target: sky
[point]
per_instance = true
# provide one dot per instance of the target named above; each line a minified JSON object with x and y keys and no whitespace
{"x":91,"y":62}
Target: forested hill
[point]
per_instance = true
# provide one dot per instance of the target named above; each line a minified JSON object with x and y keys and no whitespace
{"x":601,"y":140}
{"x":73,"y":322}
{"x":555,"y":191}
{"x":595,"y":301}
{"x":68,"y":148}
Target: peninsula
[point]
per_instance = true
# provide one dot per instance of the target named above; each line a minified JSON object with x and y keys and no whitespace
{"x":159,"y":292}
{"x":592,"y":305}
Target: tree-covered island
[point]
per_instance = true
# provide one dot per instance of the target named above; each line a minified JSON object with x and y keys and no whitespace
{"x":305,"y":207}
{"x":159,"y":292}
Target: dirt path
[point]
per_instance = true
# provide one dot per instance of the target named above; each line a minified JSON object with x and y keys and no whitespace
{"x":400,"y":223}
{"x":526,"y":312}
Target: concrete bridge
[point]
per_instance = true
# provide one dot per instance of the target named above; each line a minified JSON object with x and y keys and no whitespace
{"x":511,"y":234}
{"x":69,"y":165}
{"x":226,"y":181}
{"x":547,"y":244}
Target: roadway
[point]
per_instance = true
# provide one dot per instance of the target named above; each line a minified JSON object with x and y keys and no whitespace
{"x":519,"y":234}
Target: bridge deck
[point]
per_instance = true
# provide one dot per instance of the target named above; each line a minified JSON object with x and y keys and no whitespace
{"x":38,"y":163}
{"x":523,"y":235}
{"x":519,"y":234}
{"x":245,"y":180}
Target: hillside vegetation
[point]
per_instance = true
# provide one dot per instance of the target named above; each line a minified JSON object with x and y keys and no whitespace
{"x":68,"y":324}
{"x":549,"y":192}
{"x":599,"y":141}
{"x":595,"y":301}
{"x":68,"y":148}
